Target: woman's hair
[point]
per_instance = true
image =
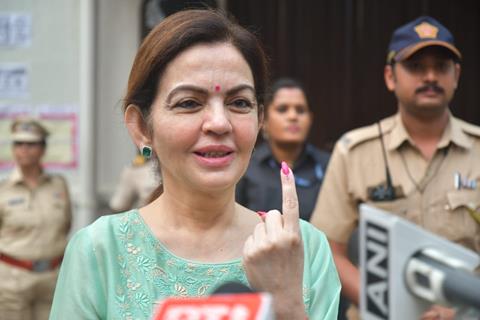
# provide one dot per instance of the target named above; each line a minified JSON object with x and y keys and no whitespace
{"x":179,"y":32}
{"x":282,"y":83}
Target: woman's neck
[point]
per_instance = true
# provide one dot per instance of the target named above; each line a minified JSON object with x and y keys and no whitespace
{"x":286,"y":152}
{"x":195,"y":209}
{"x":31,"y":175}
{"x":199,"y":226}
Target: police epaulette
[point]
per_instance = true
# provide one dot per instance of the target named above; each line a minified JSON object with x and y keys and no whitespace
{"x":469,"y":128}
{"x":360,"y":135}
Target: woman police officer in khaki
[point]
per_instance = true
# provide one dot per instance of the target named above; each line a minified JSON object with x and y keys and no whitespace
{"x":34,"y":221}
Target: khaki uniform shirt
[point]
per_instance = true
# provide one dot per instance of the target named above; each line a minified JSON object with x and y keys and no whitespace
{"x":137,"y":182}
{"x":427,"y":192}
{"x":34,"y":223}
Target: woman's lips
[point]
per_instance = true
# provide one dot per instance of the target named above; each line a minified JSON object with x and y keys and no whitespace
{"x":214,"y":156}
{"x":293,"y":129}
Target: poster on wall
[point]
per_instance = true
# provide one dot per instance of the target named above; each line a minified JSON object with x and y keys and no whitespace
{"x":60,"y":120}
{"x":13,"y":81}
{"x":15,"y":29}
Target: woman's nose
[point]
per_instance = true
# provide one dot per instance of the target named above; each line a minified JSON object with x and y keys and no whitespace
{"x":217,"y":120}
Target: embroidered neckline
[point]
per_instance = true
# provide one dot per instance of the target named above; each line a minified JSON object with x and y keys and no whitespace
{"x":155,"y":240}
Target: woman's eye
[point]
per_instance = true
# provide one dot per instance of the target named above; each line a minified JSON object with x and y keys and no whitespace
{"x":281,"y":108}
{"x":187,"y":104}
{"x":301,"y":109}
{"x":241,"y":104}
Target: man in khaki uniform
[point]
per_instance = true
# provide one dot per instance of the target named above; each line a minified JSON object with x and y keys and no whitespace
{"x":34,"y":221}
{"x":433,"y":158}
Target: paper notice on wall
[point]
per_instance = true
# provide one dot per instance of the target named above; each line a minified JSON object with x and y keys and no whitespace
{"x":14,"y":81}
{"x":15,"y":29}
{"x":60,"y":120}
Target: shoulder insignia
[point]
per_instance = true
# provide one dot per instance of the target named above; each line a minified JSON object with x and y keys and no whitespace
{"x":358,"y":136}
{"x":469,"y":128}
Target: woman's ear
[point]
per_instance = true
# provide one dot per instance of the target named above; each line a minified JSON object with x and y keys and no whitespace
{"x":137,"y":126}
{"x":261,"y":118}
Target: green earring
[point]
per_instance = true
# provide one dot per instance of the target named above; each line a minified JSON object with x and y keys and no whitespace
{"x":146,"y":152}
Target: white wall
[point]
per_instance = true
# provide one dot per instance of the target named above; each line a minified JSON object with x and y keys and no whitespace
{"x":118,"y":38}
{"x":81,"y":54}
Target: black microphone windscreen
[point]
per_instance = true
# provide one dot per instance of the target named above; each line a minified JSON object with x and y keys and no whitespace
{"x":232,"y":287}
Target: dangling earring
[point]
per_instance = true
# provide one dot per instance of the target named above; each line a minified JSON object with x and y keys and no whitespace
{"x":146,"y":152}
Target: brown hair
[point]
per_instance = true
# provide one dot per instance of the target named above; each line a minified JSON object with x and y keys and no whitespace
{"x":179,"y":32}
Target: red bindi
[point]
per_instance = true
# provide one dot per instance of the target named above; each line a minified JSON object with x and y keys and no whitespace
{"x":217,"y":88}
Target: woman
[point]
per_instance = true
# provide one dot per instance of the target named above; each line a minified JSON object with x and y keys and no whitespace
{"x":34,"y":222}
{"x":194,"y":98}
{"x":287,"y":122}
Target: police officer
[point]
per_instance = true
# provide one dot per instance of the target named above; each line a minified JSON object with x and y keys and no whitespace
{"x":421,"y":163}
{"x":34,"y":221}
{"x":137,"y":183}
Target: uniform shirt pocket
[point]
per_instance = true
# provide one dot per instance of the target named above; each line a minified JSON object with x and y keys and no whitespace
{"x":461,"y":225}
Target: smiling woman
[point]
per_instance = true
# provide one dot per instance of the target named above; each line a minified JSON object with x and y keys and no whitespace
{"x":195,"y":97}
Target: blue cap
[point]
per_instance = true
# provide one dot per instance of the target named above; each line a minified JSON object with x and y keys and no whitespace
{"x":420,"y":33}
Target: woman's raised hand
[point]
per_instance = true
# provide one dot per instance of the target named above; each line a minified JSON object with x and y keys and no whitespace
{"x":273,"y":254}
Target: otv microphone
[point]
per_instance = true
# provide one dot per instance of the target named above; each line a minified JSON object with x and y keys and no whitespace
{"x":230,"y":301}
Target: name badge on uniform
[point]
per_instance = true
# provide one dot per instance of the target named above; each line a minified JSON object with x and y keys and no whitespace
{"x":15,"y":201}
{"x":460,"y":182}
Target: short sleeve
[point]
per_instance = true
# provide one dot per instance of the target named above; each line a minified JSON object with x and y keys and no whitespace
{"x":124,"y":195}
{"x":335,"y":212}
{"x":79,"y":293}
{"x":321,"y":281}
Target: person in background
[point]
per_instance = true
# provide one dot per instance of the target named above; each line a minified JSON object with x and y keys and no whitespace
{"x":425,"y":148}
{"x":35,"y":219}
{"x":194,"y":102}
{"x":287,"y":122}
{"x":137,"y":182}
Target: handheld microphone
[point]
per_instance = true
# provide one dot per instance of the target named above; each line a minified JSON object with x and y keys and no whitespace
{"x":230,"y":301}
{"x":404,"y":269}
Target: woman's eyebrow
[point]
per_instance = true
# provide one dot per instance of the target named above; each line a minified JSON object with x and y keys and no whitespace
{"x":240,"y":87}
{"x":186,"y":87}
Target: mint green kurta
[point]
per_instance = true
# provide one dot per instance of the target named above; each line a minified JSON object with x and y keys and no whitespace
{"x":117,"y":269}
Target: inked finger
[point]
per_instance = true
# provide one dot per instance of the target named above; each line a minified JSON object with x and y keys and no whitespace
{"x":290,"y":209}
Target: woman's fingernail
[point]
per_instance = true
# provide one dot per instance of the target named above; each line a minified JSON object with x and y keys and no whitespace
{"x":261,"y":213}
{"x":285,"y":168}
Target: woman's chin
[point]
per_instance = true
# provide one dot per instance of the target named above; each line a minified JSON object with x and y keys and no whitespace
{"x":214,"y":182}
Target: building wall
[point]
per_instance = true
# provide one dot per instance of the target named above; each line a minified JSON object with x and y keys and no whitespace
{"x":118,"y":38}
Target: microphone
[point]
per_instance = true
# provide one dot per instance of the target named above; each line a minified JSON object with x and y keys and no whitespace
{"x":230,"y":301}
{"x":232,"y":287}
{"x":404,"y":269}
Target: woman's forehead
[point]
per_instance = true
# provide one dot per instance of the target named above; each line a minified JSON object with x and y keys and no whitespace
{"x":219,"y":64}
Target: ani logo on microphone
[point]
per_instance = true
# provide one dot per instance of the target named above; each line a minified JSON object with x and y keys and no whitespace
{"x":377,"y":271}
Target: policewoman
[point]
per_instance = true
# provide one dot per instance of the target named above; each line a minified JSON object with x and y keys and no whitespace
{"x":35,"y":218}
{"x":287,"y":122}
{"x":422,"y":164}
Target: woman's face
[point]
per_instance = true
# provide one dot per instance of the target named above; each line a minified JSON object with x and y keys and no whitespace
{"x":28,"y":154}
{"x":289,"y":118}
{"x":204,"y":118}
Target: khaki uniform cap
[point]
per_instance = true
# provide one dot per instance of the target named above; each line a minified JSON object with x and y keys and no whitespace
{"x":28,"y":130}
